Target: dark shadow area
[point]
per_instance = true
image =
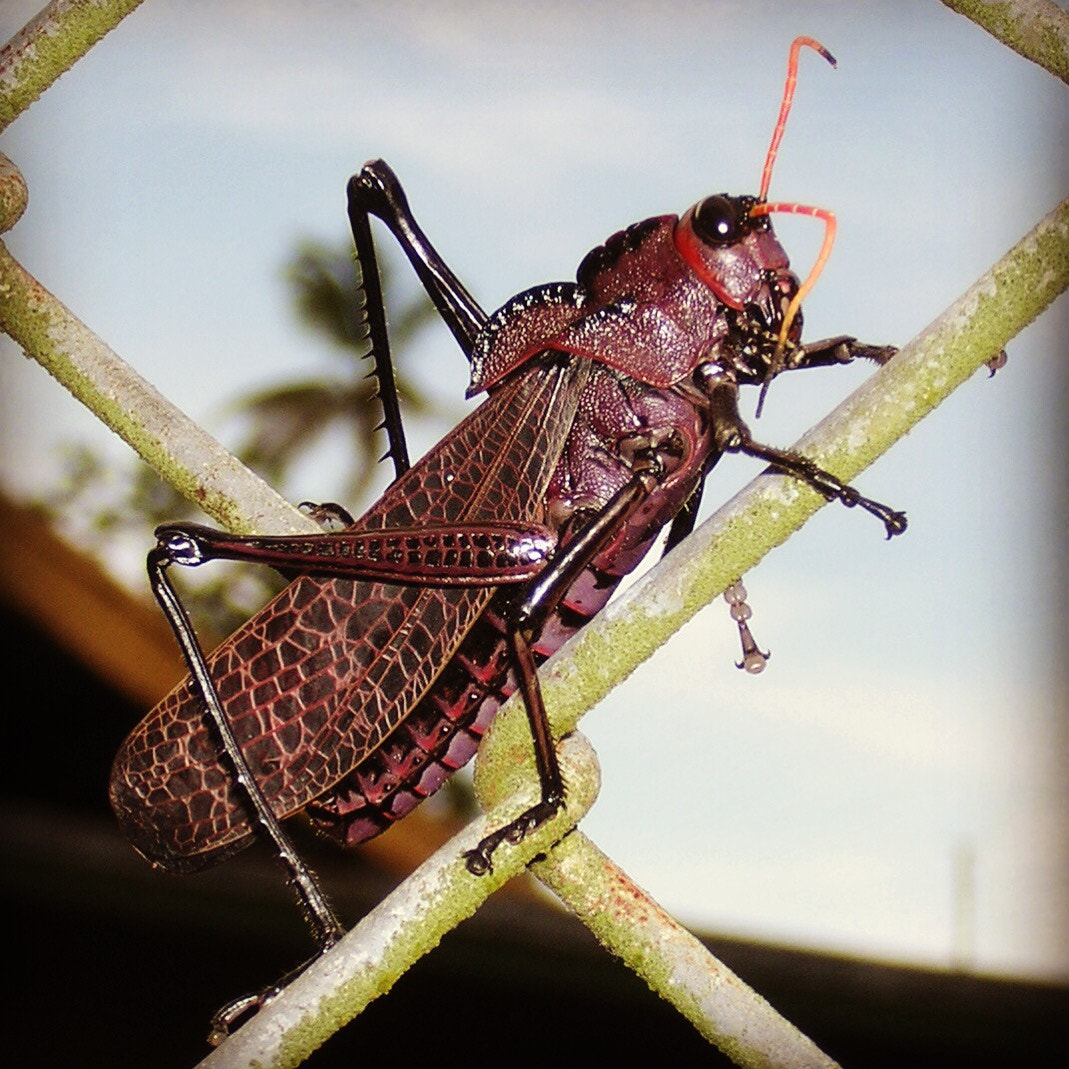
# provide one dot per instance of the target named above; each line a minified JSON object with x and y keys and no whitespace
{"x":113,"y":964}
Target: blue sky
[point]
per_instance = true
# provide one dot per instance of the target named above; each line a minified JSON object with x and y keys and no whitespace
{"x":912,"y":721}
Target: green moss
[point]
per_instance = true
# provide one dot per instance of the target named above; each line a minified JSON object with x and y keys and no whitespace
{"x":1037,"y":31}
{"x":68,"y":35}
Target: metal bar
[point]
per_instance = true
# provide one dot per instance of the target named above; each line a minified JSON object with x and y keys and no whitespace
{"x":50,"y":44}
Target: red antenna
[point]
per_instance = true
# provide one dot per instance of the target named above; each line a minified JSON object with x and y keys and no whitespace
{"x":785,"y":105}
{"x":763,"y":207}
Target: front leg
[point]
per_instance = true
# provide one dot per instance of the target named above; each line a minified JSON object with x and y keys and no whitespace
{"x":733,"y":436}
{"x":843,"y":349}
{"x":825,"y":484}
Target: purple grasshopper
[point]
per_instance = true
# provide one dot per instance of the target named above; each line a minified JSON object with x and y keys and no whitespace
{"x":371,"y":678}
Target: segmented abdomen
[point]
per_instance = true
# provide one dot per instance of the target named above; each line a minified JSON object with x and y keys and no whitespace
{"x":442,"y":733}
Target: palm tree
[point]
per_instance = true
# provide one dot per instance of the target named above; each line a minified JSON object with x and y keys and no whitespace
{"x":287,"y":419}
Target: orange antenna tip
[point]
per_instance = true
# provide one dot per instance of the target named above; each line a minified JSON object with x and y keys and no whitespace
{"x":828,"y":218}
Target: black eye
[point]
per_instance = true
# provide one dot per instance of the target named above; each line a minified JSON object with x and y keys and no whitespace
{"x":716,"y":220}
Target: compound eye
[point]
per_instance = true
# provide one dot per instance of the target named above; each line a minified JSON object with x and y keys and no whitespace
{"x":717,"y":221}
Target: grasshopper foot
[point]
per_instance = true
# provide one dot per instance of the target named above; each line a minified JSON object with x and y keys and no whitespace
{"x":329,"y":516}
{"x":235,"y":1013}
{"x":480,"y":860}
